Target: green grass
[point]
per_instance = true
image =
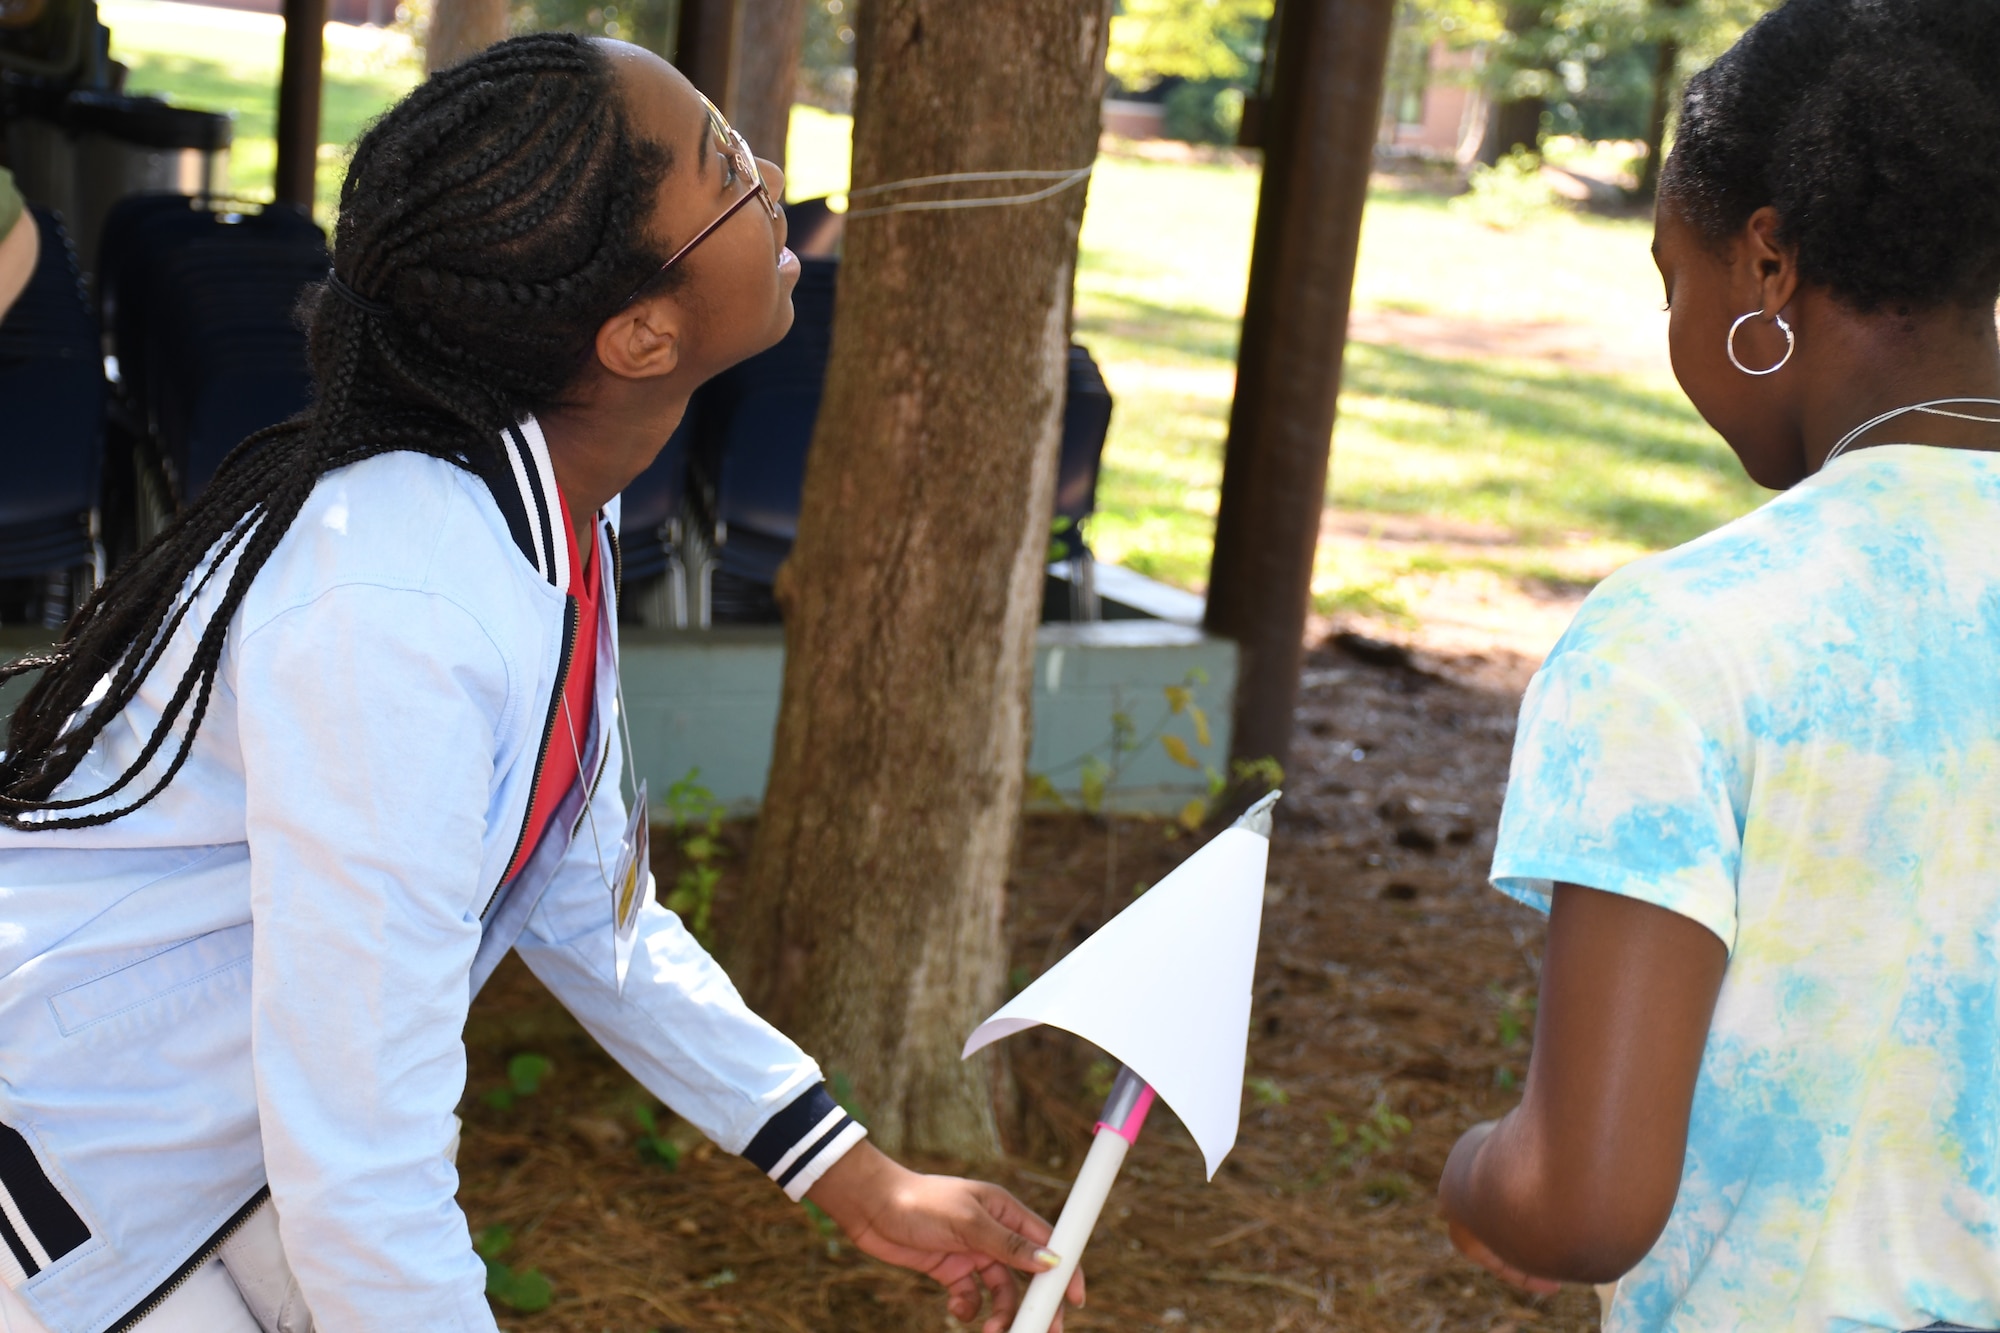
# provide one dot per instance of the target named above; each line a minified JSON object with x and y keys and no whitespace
{"x":1557,"y":457}
{"x":226,"y":60}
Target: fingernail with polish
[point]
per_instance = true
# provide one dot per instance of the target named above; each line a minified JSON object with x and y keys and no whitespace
{"x":1048,"y":1258}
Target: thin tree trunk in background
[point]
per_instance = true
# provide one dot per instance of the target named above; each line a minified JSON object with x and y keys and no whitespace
{"x":1656,"y":122}
{"x":1515,"y":125}
{"x":460,"y":28}
{"x":1515,"y":122}
{"x":1319,"y":137}
{"x":1664,"y":69}
{"x":871,"y":922}
{"x":706,"y":47}
{"x":767,"y":72}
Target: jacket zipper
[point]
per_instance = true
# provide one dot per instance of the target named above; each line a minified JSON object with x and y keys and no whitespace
{"x":201,"y":1256}
{"x":604,"y":750}
{"x":548,"y":735}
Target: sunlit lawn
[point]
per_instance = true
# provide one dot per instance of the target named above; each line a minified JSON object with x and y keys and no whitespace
{"x":1554,"y":456}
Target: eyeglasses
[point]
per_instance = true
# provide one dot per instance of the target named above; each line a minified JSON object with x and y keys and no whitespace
{"x":743,"y":163}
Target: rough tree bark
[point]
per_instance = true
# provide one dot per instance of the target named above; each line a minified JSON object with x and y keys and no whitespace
{"x":871,"y":922}
{"x":460,"y":28}
{"x":767,"y":72}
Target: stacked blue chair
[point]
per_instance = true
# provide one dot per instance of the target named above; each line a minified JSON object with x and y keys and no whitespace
{"x":749,"y":461}
{"x":51,"y":422}
{"x":1086,"y":421}
{"x":200,"y":307}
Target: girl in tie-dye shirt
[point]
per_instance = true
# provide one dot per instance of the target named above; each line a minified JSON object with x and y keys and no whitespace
{"x":1757,"y":783}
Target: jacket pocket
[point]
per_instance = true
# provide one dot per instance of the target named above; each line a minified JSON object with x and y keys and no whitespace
{"x":203,"y":962}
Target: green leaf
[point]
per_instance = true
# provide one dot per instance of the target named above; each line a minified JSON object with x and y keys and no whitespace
{"x":526,"y":1291}
{"x":526,"y":1071}
{"x":1041,"y":791}
{"x":1178,"y":697}
{"x":1202,"y":737}
{"x":499,"y":1099}
{"x":1177,"y":750}
{"x":1193,"y":814}
{"x":492,"y":1242}
{"x":660,"y":1151}
{"x":1267,"y":1091}
{"x":1092,"y":782}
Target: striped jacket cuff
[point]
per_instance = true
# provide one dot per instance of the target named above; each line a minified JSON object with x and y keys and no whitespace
{"x":798,"y":1144}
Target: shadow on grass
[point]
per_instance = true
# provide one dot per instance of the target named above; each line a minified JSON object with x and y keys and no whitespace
{"x":1560,"y":449}
{"x":1188,"y":330}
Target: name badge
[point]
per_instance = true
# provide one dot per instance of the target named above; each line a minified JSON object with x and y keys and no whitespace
{"x":632,"y":885}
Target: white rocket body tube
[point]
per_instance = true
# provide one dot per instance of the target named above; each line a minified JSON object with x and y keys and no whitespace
{"x":1124,"y":1113}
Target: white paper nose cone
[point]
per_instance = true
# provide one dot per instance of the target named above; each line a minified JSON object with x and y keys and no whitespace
{"x":1165,"y":987}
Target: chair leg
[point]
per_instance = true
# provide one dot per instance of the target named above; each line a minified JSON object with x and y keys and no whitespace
{"x":1083,"y":602}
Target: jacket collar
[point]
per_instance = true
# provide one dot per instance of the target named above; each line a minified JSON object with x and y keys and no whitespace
{"x":526,"y":494}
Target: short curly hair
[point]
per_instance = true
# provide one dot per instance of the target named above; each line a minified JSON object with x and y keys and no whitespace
{"x":1873,"y":128}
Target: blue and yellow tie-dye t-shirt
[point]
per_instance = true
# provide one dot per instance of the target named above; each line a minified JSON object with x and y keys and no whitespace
{"x":1789,"y":731}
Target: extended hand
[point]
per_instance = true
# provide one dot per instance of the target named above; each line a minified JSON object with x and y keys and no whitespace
{"x":965,"y":1234}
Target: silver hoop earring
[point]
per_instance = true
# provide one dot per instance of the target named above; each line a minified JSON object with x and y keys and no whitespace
{"x":1730,"y":344}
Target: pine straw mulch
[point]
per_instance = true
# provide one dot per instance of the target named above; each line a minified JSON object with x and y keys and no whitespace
{"x":1393,"y":996}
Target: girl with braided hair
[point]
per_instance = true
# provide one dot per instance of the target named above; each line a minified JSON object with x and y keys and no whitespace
{"x":297,"y":778}
{"x":1757,"y":784}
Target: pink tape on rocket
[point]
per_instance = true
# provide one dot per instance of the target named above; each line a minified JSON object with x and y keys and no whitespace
{"x":1134,"y":1121}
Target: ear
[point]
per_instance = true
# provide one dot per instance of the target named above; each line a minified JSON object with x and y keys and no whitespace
{"x":642,"y":341}
{"x":1767,"y":267}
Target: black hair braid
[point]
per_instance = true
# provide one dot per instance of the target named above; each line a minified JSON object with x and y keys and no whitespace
{"x":501,"y":212}
{"x":1870,"y":126}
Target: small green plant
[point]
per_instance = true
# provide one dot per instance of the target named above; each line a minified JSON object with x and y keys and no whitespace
{"x":714,"y":1280}
{"x":828,"y":1229}
{"x":1509,"y":194}
{"x":525,"y":1073}
{"x":1354,"y":1146}
{"x":1266,"y":1091}
{"x":696,"y":817}
{"x":1387,"y":1188}
{"x":654,"y":1146}
{"x":1097,"y":1079}
{"x":527,"y":1290}
{"x":841,"y":1087}
{"x":1517,"y":1018}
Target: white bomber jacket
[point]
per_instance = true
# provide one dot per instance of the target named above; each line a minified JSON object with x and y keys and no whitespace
{"x":255,"y":986}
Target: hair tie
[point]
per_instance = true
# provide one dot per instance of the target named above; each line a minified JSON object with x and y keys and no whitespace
{"x":352,"y":297}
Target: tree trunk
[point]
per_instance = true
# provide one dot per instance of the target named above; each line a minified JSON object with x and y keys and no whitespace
{"x":767,"y":72}
{"x":1656,"y":122}
{"x":1319,"y":139}
{"x":871,"y":922}
{"x":707,"y":40}
{"x":1664,"y":69}
{"x":460,"y":28}
{"x":1515,"y":124}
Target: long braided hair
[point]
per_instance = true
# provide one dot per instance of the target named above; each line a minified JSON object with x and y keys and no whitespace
{"x":489,"y":223}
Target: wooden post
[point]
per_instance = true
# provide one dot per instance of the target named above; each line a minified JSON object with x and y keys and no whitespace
{"x":298,"y":102}
{"x":1319,"y":134}
{"x":705,"y":48}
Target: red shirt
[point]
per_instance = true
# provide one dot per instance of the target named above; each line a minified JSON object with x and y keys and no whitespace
{"x":571,"y":737}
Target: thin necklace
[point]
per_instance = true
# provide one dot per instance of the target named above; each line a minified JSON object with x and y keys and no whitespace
{"x":1934,"y":408}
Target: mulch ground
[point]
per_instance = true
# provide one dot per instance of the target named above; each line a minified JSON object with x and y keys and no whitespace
{"x":1393,"y":1006}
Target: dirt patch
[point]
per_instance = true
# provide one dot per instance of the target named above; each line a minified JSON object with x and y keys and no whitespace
{"x":1390,"y":1013}
{"x":1637,"y":346}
